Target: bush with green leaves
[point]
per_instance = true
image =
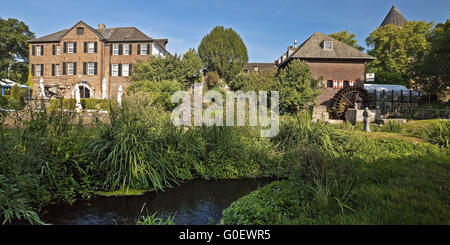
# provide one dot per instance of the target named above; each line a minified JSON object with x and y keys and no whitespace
{"x":296,"y":86}
{"x":45,"y":159}
{"x":254,"y":81}
{"x":159,"y":92}
{"x":212,"y":79}
{"x":171,"y":68}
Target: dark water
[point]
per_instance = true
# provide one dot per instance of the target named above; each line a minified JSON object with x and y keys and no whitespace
{"x":197,"y":202}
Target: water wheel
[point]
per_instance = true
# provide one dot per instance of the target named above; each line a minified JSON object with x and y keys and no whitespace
{"x":350,"y":97}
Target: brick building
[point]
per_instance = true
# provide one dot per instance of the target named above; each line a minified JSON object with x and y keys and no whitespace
{"x":336,"y":64}
{"x":83,"y":56}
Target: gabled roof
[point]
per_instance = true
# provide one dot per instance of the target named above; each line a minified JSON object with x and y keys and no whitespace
{"x":54,"y":37}
{"x":312,"y":48}
{"x":123,"y":34}
{"x":261,"y":66}
{"x":120,"y":34}
{"x":394,"y":17}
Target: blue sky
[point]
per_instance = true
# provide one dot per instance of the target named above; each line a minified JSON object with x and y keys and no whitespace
{"x":267,"y":27}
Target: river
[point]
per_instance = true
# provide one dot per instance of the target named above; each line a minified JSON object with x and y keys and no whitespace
{"x":197,"y":202}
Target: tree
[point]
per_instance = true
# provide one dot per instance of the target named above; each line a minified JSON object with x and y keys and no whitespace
{"x":255,"y":81}
{"x":297,"y":88}
{"x":192,"y":66}
{"x":433,"y":71}
{"x":14,"y":35}
{"x":347,"y":38}
{"x":398,"y":48}
{"x":223,"y":51}
{"x":160,"y":92}
{"x":159,"y":69}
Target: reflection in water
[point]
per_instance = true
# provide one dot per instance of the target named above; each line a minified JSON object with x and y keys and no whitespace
{"x":197,"y":202}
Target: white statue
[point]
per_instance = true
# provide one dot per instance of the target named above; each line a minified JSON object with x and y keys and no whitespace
{"x":119,"y":95}
{"x":78,"y":106}
{"x":366,"y":120}
{"x":42,"y":87}
{"x":104,"y":96}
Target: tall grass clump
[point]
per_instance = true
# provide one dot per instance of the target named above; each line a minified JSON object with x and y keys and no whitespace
{"x":153,"y":220}
{"x":439,"y":133}
{"x":125,"y":148}
{"x":393,"y":127}
{"x":43,"y":156}
{"x":13,"y":205}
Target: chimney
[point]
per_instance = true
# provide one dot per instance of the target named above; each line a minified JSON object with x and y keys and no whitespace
{"x":101,"y":26}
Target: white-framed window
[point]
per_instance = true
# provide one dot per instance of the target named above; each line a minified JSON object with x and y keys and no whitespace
{"x":58,"y":70}
{"x":144,"y":49}
{"x":125,"y":70}
{"x":91,"y":67}
{"x":58,"y":49}
{"x":70,"y":48}
{"x":328,"y":45}
{"x":38,"y":70}
{"x":126,"y":49}
{"x":69,"y":68}
{"x":91,"y":47}
{"x":115,"y":70}
{"x":115,"y":49}
{"x":39,"y":50}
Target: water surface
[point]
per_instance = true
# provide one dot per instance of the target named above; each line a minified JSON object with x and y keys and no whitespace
{"x":198,"y":202}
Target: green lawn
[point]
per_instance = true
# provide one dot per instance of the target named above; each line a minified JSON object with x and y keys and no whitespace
{"x":375,"y":178}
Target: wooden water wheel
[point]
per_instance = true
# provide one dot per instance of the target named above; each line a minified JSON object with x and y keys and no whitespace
{"x":350,"y":97}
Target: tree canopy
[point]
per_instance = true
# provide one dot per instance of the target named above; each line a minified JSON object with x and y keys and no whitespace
{"x":397,"y":49}
{"x":193,"y":66}
{"x":223,"y":51}
{"x":296,"y":86}
{"x":14,"y":35}
{"x":347,"y":38}
{"x":433,"y":70}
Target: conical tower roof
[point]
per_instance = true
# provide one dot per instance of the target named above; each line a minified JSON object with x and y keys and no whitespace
{"x":394,"y":17}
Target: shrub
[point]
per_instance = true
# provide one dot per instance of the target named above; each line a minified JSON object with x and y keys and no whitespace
{"x":86,"y":103}
{"x":268,"y":205}
{"x":212,"y":79}
{"x":439,"y":133}
{"x":159,"y":92}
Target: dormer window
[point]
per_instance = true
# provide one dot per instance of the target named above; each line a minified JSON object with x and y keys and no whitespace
{"x":80,"y":30}
{"x":328,"y":45}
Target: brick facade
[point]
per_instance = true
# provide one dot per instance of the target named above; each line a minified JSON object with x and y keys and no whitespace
{"x":336,"y":70}
{"x":336,"y":65}
{"x":102,"y":60}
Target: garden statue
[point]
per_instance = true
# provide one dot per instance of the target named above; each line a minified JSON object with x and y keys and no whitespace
{"x":366,"y":115}
{"x":119,"y":96}
{"x":104,"y":96}
{"x":78,"y":106}
{"x":42,"y":87}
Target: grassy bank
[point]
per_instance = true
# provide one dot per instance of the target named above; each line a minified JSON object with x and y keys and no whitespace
{"x":361,"y":178}
{"x":335,"y":175}
{"x":49,"y":160}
